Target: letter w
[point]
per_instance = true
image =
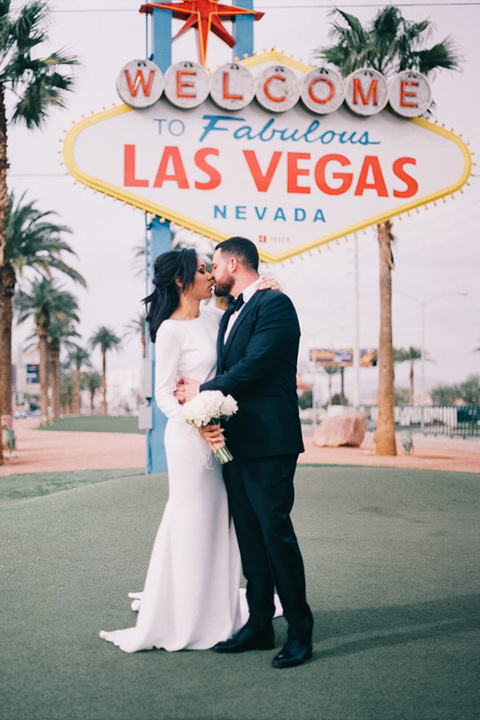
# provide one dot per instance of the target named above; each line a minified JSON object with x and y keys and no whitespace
{"x":140,"y":80}
{"x":262,"y":181}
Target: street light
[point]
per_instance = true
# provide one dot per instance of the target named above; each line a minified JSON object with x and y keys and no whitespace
{"x":423,"y":303}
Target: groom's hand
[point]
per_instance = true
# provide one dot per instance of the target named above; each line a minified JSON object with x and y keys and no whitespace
{"x":186,"y":390}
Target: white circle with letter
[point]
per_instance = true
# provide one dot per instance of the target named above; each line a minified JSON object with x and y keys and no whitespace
{"x":186,"y":84}
{"x":278,"y":89}
{"x":140,"y":83}
{"x":323,"y":90}
{"x":232,"y":86}
{"x":410,"y":94}
{"x":367,"y":91}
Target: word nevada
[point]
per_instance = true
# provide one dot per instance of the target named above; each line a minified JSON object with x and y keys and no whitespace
{"x":276,"y":88}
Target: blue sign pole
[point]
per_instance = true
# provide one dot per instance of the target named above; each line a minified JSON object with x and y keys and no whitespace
{"x":160,"y":233}
{"x":243,"y":31}
{"x":160,"y":242}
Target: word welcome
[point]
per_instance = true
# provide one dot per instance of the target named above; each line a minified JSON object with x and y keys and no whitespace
{"x":277,"y":88}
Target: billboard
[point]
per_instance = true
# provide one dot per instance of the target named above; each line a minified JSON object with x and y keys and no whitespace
{"x":326,"y":357}
{"x":32,"y":374}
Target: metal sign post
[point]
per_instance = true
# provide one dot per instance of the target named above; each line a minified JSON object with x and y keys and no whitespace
{"x":158,"y":235}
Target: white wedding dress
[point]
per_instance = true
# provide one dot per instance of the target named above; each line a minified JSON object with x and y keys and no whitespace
{"x":191,"y":598}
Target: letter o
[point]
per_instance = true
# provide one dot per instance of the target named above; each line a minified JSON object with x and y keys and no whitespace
{"x":175,"y":121}
{"x":323,"y":90}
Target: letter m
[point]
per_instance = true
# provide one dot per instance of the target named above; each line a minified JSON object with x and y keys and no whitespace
{"x":140,"y":80}
{"x":358,"y":91}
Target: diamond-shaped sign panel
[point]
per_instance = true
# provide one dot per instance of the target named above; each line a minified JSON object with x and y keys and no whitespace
{"x":289,"y":180}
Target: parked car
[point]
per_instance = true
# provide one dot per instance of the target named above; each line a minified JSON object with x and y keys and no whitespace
{"x":20,"y":414}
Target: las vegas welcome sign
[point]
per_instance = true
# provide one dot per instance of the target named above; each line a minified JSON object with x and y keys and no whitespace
{"x":289,"y":156}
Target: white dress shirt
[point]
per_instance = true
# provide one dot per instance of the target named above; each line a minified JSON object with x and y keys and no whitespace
{"x":248,"y":293}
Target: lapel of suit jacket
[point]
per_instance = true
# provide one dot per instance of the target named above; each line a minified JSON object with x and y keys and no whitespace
{"x":221,"y":333}
{"x":249,"y":307}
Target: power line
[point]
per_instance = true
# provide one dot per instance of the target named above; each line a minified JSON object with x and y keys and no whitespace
{"x":286,"y":7}
{"x":16,"y":175}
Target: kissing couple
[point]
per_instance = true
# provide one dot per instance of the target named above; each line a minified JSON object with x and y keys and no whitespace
{"x":221,"y":518}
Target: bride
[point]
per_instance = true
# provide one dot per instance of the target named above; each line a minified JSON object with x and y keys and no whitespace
{"x":191,"y":597}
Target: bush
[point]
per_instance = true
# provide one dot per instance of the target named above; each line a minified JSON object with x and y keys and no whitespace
{"x":305,"y":400}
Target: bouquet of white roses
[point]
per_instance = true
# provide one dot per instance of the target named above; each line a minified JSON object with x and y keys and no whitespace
{"x":209,"y":407}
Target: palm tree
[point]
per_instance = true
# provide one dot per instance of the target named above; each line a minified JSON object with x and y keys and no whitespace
{"x":60,"y":332}
{"x":330,"y":370}
{"x":137,"y":327}
{"x":32,"y":240}
{"x":389,"y":44}
{"x":66,"y":392}
{"x":38,"y":83}
{"x":44,"y":301}
{"x":106,"y":339}
{"x":410,"y":355}
{"x":79,"y":357}
{"x":91,"y":381}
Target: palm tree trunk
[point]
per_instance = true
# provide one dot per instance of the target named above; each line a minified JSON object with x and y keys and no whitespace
{"x":43,"y":373}
{"x":412,"y":391}
{"x":76,"y":391}
{"x":342,"y":386}
{"x":7,"y":290}
{"x":55,"y":380}
{"x":104,"y":381}
{"x":329,"y":389}
{"x":92,"y":398}
{"x":3,"y":208}
{"x":385,"y":435}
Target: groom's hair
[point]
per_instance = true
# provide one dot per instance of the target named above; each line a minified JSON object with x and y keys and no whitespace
{"x":244,"y":250}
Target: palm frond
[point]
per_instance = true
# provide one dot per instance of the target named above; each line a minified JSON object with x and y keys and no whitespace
{"x":440,"y":56}
{"x":390,"y":44}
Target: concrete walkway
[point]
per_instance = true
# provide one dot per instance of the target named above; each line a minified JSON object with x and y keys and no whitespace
{"x":50,"y":451}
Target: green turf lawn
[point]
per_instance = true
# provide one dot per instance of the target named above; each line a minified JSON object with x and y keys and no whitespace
{"x":24,"y":486}
{"x":393,"y":580}
{"x":96,"y":423}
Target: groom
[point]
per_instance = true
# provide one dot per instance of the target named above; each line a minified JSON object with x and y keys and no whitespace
{"x":257,"y":358}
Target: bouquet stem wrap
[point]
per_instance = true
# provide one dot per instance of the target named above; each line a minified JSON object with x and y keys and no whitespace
{"x":210,"y":407}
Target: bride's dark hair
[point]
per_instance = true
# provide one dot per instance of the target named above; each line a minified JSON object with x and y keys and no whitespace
{"x":165,"y":298}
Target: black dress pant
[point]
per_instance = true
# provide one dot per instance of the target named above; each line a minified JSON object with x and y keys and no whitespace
{"x":261,"y":494}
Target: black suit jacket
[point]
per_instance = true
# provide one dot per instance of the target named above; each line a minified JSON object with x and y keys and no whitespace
{"x":258,"y":366}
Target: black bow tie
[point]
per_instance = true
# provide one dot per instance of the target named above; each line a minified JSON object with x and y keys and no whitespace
{"x":235,"y":304}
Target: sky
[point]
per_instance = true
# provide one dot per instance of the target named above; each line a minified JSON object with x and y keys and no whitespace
{"x":436,"y":251}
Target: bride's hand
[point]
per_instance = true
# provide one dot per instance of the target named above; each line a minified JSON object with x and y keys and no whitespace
{"x":213,"y":434}
{"x":269,"y":283}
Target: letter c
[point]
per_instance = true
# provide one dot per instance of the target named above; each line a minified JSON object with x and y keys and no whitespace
{"x":271,"y":97}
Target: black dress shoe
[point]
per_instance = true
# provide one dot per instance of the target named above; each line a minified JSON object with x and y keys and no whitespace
{"x":247,"y":639}
{"x":294,"y":653}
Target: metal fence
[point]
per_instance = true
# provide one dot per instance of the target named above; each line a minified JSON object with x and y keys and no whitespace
{"x":452,"y":420}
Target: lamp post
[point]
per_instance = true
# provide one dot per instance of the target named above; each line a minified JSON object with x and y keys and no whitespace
{"x":423,"y":304}
{"x":356,"y":332}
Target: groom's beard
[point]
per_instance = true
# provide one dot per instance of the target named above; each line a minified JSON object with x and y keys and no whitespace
{"x":224,"y":285}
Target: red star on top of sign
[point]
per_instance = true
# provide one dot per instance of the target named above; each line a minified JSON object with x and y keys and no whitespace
{"x":205,"y":16}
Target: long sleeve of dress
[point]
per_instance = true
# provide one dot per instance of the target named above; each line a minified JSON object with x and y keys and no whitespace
{"x":167,"y":355}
